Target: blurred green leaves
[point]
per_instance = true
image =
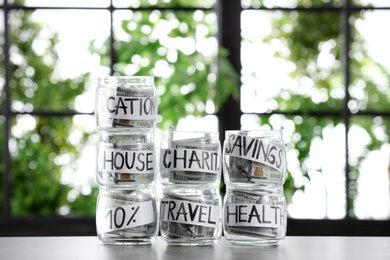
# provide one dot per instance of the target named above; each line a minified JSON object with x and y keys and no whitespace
{"x":40,"y":145}
{"x":180,"y":49}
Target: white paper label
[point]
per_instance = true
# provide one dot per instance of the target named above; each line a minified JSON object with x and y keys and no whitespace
{"x":125,"y":161}
{"x":255,"y":149}
{"x":255,"y":215}
{"x":127,"y":107}
{"x":195,"y":160}
{"x":124,"y":217}
{"x":187,"y":212}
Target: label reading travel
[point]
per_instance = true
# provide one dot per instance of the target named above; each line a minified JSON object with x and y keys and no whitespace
{"x":186,"y":212}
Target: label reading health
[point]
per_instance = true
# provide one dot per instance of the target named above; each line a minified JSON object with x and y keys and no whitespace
{"x":126,"y":216}
{"x":255,"y":215}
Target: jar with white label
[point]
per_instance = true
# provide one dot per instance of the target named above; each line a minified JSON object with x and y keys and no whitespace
{"x":126,"y":158}
{"x":254,"y":157}
{"x":254,"y":216}
{"x":126,"y":101}
{"x":190,"y":216}
{"x":127,"y":216}
{"x":190,"y":158}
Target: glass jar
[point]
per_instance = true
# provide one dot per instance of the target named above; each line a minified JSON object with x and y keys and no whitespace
{"x":126,"y":158}
{"x":126,"y":102}
{"x":251,"y":157}
{"x":190,"y":216}
{"x":255,"y":216}
{"x":127,"y":216}
{"x":190,"y":158}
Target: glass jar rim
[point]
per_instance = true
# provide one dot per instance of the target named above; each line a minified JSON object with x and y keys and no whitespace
{"x":133,"y":80}
{"x":253,"y":131}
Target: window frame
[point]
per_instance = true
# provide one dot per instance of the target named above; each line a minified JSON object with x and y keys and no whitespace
{"x":229,"y":35}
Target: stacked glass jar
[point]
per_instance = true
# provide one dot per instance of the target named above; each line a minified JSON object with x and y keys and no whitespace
{"x":191,"y":205}
{"x":126,"y":113}
{"x":254,"y":166}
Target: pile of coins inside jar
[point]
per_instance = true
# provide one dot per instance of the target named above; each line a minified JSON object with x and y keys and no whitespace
{"x":187,"y":209}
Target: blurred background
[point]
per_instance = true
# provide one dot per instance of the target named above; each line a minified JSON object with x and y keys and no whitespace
{"x":318,"y":70}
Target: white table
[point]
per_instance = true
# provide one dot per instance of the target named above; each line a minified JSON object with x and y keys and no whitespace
{"x":300,"y":248}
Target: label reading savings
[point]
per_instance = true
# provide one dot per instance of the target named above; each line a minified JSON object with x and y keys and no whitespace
{"x":258,"y":150}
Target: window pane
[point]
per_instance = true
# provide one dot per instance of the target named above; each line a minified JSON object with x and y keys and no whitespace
{"x":51,"y":61}
{"x":2,"y":164}
{"x":291,"y":62}
{"x":315,"y":186}
{"x":369,"y":153}
{"x":180,"y":50}
{"x":160,"y":3}
{"x":374,"y":3}
{"x":2,"y":118}
{"x":287,"y":3}
{"x":53,"y":165}
{"x":370,"y":65}
{"x":67,"y":3}
{"x":2,"y":70}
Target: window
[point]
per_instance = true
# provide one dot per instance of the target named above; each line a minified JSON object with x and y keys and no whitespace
{"x":315,"y":69}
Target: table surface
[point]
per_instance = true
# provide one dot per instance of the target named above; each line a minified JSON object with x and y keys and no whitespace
{"x":58,"y":248}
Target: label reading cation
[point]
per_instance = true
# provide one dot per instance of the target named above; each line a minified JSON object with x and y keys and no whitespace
{"x":119,"y":107}
{"x":125,"y":161}
{"x":185,"y":212}
{"x":190,"y":160}
{"x":124,"y":217}
{"x":255,"y":215}
{"x":258,"y":150}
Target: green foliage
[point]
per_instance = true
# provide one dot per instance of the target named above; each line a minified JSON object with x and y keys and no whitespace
{"x":42,"y":150}
{"x":307,"y":36}
{"x":40,"y":144}
{"x":165,"y":44}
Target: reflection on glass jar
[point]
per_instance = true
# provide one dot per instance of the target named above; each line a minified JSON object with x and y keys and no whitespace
{"x":126,"y":158}
{"x":127,"y":216}
{"x":126,"y":102}
{"x":254,"y":157}
{"x":190,"y":158}
{"x":255,"y":215}
{"x":190,"y":216}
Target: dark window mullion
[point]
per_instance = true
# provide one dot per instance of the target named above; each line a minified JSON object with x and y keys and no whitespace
{"x":7,"y":180}
{"x":229,"y":37}
{"x":346,"y":115}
